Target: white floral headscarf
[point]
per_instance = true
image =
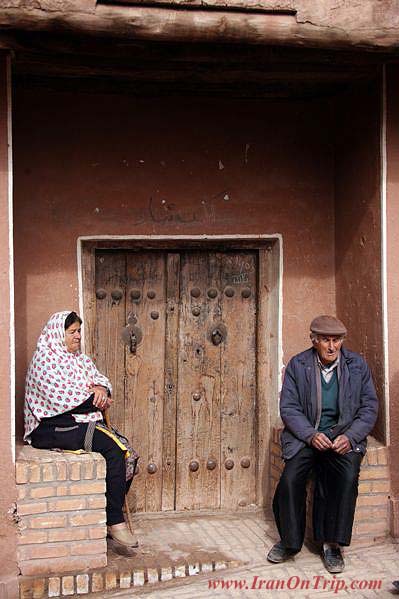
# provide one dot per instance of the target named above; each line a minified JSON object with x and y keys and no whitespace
{"x":58,"y":380}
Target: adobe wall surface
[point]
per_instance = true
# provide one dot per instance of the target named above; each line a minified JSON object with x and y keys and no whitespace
{"x":358,"y":229}
{"x":95,"y":165}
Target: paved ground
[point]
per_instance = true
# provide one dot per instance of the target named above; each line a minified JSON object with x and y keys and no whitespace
{"x":245,"y":538}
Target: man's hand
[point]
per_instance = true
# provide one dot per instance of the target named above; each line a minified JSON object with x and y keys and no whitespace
{"x":100,"y":400}
{"x":321,"y":442}
{"x":341,"y":444}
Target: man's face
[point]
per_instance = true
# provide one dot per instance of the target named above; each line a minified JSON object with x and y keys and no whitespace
{"x":328,"y":347}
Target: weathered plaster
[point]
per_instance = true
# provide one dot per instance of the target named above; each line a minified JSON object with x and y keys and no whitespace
{"x":118,"y":166}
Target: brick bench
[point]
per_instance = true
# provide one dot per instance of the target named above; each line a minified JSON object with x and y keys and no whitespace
{"x":371,"y":522}
{"x":61,"y":517}
{"x":60,"y":511}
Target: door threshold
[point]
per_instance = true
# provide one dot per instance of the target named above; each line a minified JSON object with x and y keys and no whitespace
{"x":209,"y":513}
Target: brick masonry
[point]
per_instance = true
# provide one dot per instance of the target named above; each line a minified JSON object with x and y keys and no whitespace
{"x":62,"y":546}
{"x":60,"y":511}
{"x":103,"y":581}
{"x":372,"y":515}
{"x":239,"y":543}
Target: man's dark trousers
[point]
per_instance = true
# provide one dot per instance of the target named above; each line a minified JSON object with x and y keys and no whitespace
{"x":334,"y":501}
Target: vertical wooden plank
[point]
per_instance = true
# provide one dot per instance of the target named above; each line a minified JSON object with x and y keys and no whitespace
{"x":198,"y":413}
{"x":89,"y":299}
{"x":171,"y":373}
{"x":267,"y":364}
{"x":145,"y":373}
{"x":238,"y":380}
{"x":110,"y":311}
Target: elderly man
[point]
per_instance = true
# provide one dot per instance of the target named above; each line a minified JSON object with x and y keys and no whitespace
{"x":328,"y":406}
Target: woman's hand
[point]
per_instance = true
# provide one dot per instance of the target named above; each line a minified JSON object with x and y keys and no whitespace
{"x":101,"y":399}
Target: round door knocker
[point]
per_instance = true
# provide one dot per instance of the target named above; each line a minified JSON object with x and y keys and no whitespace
{"x":217,"y":334}
{"x":194,"y":466}
{"x":195,"y":292}
{"x":212,"y":293}
{"x":132,"y":336}
{"x":245,"y":462}
{"x":229,"y":292}
{"x":229,"y":464}
{"x":211,"y":464}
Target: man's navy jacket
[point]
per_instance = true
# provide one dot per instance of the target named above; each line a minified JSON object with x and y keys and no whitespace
{"x":300,"y":402}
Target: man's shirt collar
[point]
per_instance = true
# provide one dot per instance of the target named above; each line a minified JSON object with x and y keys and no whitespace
{"x":327,"y":371}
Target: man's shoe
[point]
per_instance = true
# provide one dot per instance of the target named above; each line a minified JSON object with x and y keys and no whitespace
{"x":333,"y":560}
{"x":278,"y":553}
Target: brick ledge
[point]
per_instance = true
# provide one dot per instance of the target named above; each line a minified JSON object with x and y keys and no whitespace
{"x":111,"y":579}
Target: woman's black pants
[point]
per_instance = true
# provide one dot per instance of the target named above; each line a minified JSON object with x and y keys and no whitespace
{"x":116,"y":485}
{"x":334,"y":499}
{"x":48,"y":436}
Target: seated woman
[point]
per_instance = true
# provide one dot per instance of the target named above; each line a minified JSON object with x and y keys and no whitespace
{"x":65,"y":397}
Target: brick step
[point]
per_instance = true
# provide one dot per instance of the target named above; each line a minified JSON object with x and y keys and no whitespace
{"x":114,"y":577}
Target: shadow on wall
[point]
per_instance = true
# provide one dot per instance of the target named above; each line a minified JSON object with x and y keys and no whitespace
{"x":358,"y":229}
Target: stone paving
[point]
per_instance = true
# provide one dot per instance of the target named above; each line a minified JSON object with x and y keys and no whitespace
{"x":244,"y":539}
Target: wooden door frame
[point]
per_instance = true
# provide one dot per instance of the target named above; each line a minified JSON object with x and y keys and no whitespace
{"x":269,"y":317}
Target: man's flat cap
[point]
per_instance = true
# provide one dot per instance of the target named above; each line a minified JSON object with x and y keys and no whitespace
{"x":327,"y":325}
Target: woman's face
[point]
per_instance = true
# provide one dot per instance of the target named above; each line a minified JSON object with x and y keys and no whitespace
{"x":72,"y":337}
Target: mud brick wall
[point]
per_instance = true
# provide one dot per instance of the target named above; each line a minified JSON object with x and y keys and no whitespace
{"x":371,"y":517}
{"x":60,"y":511}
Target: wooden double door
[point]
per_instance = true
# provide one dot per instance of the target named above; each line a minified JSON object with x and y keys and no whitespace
{"x":176,"y":334}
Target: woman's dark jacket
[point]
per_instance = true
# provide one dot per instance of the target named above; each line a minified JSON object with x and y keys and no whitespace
{"x":300,"y":402}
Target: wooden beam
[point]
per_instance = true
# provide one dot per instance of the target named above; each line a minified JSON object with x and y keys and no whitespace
{"x":366,"y":29}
